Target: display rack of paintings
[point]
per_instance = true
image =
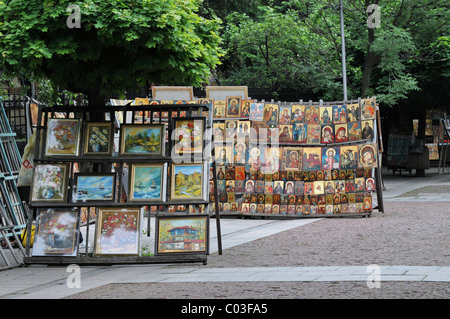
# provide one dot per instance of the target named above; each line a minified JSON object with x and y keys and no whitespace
{"x":158,"y":164}
{"x":297,"y":160}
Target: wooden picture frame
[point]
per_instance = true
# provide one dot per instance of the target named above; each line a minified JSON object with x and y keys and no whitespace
{"x":118,"y":231}
{"x":256,"y":111}
{"x":233,"y":106}
{"x":173,"y":93}
{"x":136,"y":140}
{"x":50,"y":183}
{"x":222,"y":92}
{"x":187,"y":182}
{"x":191,"y":130}
{"x":148,"y":182}
{"x":98,"y":138}
{"x":57,"y":233}
{"x":292,"y":158}
{"x":63,"y":137}
{"x":89,"y":187}
{"x":182,"y":235}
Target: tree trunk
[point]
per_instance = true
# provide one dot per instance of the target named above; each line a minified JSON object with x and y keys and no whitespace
{"x":371,"y":59}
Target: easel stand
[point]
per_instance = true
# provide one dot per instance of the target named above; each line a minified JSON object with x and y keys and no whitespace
{"x":141,"y":114}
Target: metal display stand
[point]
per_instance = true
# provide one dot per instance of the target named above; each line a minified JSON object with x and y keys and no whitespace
{"x":153,"y":114}
{"x":444,"y":145}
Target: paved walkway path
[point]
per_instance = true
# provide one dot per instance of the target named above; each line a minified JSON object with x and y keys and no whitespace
{"x":56,"y":282}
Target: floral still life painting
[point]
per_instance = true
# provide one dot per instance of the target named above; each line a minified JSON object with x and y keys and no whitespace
{"x":50,"y":183}
{"x":57,"y":233}
{"x":62,"y":137}
{"x":98,"y":138}
{"x":189,"y":136}
{"x":118,"y":232}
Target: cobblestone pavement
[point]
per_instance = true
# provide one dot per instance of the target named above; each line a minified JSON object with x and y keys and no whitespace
{"x":407,"y":233}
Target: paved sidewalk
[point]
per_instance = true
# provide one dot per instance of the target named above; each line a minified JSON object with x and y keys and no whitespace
{"x":302,"y":258}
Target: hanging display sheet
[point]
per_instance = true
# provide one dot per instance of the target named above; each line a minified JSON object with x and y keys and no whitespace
{"x":296,"y":160}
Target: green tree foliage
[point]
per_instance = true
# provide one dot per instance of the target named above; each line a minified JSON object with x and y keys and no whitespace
{"x":396,"y":61}
{"x":279,"y":51}
{"x":120,"y":43}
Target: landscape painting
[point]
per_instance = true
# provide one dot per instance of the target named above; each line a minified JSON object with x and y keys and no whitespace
{"x":187,"y":181}
{"x":94,"y":187}
{"x":182,"y":235}
{"x":142,"y":139}
{"x":147,"y":182}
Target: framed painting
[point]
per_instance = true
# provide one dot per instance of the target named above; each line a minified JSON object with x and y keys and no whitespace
{"x":142,"y":139}
{"x":222,"y":92}
{"x":172,"y":92}
{"x":312,"y":158}
{"x":313,"y":134}
{"x":367,"y":156}
{"x":218,"y":132}
{"x":270,"y":115}
{"x":256,"y":111}
{"x":50,"y":183}
{"x":245,"y":107}
{"x":62,"y":137}
{"x":354,"y":131}
{"x":233,"y":106}
{"x":341,"y":133}
{"x":255,"y":158}
{"x":57,"y":233}
{"x":230,"y":129}
{"x":117,"y":232}
{"x":94,"y":187}
{"x":182,"y":235}
{"x":367,"y":132}
{"x":243,"y":130}
{"x":187,"y":181}
{"x":325,"y":115}
{"x":292,"y":159}
{"x":223,"y":155}
{"x":300,"y":132}
{"x":285,"y":133}
{"x":240,"y":152}
{"x":272,"y":160}
{"x":219,"y":109}
{"x":327,"y":135}
{"x":298,"y":113}
{"x":188,"y":135}
{"x":330,"y":158}
{"x":349,"y":157}
{"x":353,"y":112}
{"x":312,"y":114}
{"x":98,"y":138}
{"x":285,"y":114}
{"x":368,"y":109}
{"x":339,"y":114}
{"x":147,"y":182}
{"x":259,"y":131}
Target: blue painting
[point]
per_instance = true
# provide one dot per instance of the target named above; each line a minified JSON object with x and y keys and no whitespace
{"x":146,"y":182}
{"x":95,"y":187}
